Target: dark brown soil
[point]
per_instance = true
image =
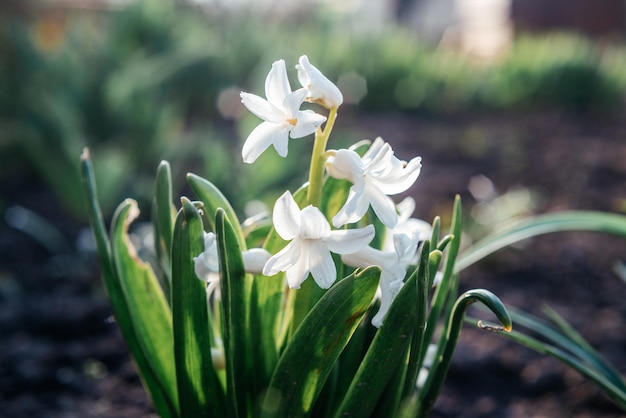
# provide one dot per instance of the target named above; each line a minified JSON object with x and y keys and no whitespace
{"x":62,"y":356}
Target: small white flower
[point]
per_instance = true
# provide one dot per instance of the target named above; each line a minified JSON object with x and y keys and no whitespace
{"x":207,"y":264}
{"x":412,"y":227}
{"x":320,"y":89}
{"x":281,"y":115}
{"x":375,"y":176}
{"x":393,"y":265}
{"x":312,"y":241}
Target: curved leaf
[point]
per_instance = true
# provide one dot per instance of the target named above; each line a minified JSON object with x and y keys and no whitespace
{"x":439,"y":371}
{"x":147,"y":307}
{"x":543,"y":224}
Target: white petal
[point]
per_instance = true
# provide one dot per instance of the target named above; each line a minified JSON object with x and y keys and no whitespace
{"x":345,"y":164}
{"x":283,"y":260}
{"x":389,"y":291}
{"x":355,"y":207}
{"x":277,"y":84}
{"x":293,"y":101}
{"x":298,"y":272}
{"x":203,"y":271}
{"x":383,"y":207}
{"x":209,"y":255}
{"x":402,"y":180}
{"x":368,"y":256}
{"x":406,"y":247}
{"x":254,"y":260}
{"x":261,"y":138}
{"x":307,"y":122}
{"x":373,"y":150}
{"x":303,"y":75}
{"x":313,"y":224}
{"x":262,"y":108}
{"x":321,"y":89}
{"x":418,"y":228}
{"x":286,"y":216}
{"x":346,"y":241}
{"x":321,"y":265}
{"x":406,"y":208}
{"x":378,"y":156}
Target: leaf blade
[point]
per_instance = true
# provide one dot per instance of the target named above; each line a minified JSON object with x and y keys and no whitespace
{"x":199,"y":388}
{"x":295,"y":384}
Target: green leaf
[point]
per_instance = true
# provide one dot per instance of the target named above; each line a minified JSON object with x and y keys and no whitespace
{"x":417,"y":341}
{"x":234,"y":286}
{"x":163,"y":214}
{"x":543,"y":224}
{"x":386,"y":353}
{"x":199,"y":389}
{"x":434,"y":237}
{"x":438,"y":372}
{"x":309,"y":357}
{"x":569,"y":340}
{"x":163,"y":398}
{"x":147,"y":307}
{"x":444,"y":290}
{"x":213,"y":200}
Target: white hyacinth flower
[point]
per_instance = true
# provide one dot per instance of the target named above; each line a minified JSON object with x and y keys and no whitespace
{"x":412,"y":227}
{"x":320,"y":89}
{"x":393,"y":265}
{"x":375,"y":176}
{"x":281,"y":114}
{"x":207,"y":264}
{"x":312,"y":241}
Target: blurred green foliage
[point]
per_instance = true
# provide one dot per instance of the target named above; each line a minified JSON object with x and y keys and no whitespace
{"x":143,"y":83}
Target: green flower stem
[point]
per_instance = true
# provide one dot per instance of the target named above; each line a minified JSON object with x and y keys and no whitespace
{"x":316,"y":174}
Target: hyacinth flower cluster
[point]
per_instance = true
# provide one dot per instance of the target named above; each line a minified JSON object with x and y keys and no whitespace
{"x":374,"y":176}
{"x":338,"y":304}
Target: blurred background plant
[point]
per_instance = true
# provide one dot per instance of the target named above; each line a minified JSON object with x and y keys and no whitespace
{"x":146,"y":81}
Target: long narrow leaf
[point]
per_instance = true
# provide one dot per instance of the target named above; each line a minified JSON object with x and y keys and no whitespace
{"x":444,"y":289}
{"x":234,"y":287}
{"x":164,"y":403}
{"x":199,"y":389}
{"x":306,"y":362}
{"x":417,"y":342}
{"x":580,"y":349}
{"x":614,"y":392}
{"x":163,"y":214}
{"x":543,"y":224}
{"x":148,"y":309}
